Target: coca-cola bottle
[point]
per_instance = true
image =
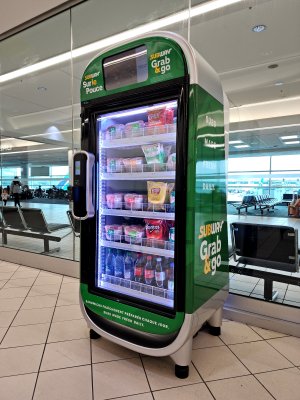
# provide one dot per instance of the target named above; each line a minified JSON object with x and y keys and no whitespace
{"x":139,"y":269}
{"x":128,"y":266}
{"x":159,"y":273}
{"x":149,"y":271}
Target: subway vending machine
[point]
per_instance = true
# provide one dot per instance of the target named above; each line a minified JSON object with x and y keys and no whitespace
{"x":150,"y":190}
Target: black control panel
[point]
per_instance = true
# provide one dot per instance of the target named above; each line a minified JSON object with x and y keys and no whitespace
{"x":79,"y":186}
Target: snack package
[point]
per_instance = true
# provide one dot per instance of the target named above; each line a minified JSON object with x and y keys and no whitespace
{"x":171,"y":196}
{"x":154,"y":153}
{"x":156,"y":229}
{"x":171,"y":163}
{"x":157,"y":193}
{"x":114,"y":132}
{"x":115,"y":165}
{"x":114,"y":200}
{"x":134,"y":128}
{"x":134,"y":233}
{"x":114,"y":232}
{"x":134,"y":201}
{"x":160,"y":116}
{"x":134,"y":164}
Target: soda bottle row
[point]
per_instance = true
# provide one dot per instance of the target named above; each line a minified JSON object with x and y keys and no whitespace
{"x":143,"y":268}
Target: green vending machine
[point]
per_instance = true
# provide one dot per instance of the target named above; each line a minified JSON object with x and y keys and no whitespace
{"x":150,"y":190}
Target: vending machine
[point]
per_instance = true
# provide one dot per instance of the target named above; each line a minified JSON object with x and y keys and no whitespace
{"x":150,"y":190}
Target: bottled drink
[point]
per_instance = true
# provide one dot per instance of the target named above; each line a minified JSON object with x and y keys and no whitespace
{"x":119,"y":268}
{"x":110,"y":263}
{"x":171,"y":280}
{"x":166,"y":269}
{"x":139,"y":269}
{"x":128,"y":267}
{"x":159,"y":273}
{"x":149,"y":271}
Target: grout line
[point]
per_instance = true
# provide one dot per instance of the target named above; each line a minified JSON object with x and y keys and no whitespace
{"x":280,"y":352}
{"x":142,"y":362}
{"x":203,"y":381}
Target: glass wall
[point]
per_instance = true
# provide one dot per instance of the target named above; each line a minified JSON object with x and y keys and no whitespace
{"x":257,"y":63}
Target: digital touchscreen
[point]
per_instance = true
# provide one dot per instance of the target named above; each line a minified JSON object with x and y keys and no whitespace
{"x":126,"y":68}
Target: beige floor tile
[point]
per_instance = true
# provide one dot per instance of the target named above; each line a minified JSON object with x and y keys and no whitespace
{"x":64,"y":384}
{"x":48,"y":280}
{"x":67,"y":313}
{"x":289,"y":347}
{"x":267,"y":334}
{"x":68,"y":330}
{"x":191,"y":392}
{"x":20,"y":360}
{"x":10,"y":304}
{"x":119,"y":378}
{"x":244,"y":387}
{"x":25,"y":273}
{"x":217,"y":363}
{"x":46,"y":301}
{"x":204,"y":339}
{"x":6,"y":318}
{"x":3,"y":283}
{"x":259,"y":357}
{"x":33,"y":316}
{"x":2,"y":333}
{"x":40,"y":290}
{"x":161,"y":375}
{"x":66,"y":354}
{"x":13,"y":293}
{"x":69,"y":279}
{"x":70,"y":287}
{"x":6,"y":266}
{"x":20,"y":282}
{"x":235,"y":332}
{"x":17,"y":387}
{"x":283,"y":384}
{"x":103,"y":350}
{"x":68,"y":298}
{"x":143,"y":396}
{"x":5,"y":275}
{"x":25,"y":335}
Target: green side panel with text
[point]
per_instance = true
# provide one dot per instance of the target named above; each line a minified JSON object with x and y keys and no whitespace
{"x":133,"y":317}
{"x":165,"y":61}
{"x":207,"y":241}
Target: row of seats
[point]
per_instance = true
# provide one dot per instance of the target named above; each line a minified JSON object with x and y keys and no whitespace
{"x":261,"y":202}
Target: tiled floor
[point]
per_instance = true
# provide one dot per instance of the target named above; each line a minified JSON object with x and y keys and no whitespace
{"x":46,"y":353}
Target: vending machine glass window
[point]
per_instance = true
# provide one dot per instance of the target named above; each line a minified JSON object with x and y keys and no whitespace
{"x":136,"y":203}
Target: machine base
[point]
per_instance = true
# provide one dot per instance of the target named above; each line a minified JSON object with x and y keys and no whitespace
{"x":214,"y":330}
{"x":181,"y":371}
{"x":94,"y":335}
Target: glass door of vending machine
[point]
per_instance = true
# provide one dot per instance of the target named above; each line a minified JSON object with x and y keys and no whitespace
{"x":135,"y":198}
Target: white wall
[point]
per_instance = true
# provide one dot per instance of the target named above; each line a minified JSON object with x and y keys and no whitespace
{"x":16,"y":12}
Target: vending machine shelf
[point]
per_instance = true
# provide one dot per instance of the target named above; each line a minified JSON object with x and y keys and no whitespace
{"x":141,"y":248}
{"x":141,"y":176}
{"x":140,"y":140}
{"x":136,"y":289}
{"x":139,"y":214}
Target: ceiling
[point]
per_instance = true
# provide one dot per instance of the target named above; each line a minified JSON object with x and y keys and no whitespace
{"x":43,"y":107}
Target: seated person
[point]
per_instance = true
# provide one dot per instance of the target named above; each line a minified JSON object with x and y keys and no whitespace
{"x":293,"y":209}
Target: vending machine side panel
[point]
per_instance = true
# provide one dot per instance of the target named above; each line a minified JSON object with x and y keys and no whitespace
{"x":207,"y":245}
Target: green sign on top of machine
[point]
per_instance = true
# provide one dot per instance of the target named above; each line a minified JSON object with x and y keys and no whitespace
{"x":150,"y":190}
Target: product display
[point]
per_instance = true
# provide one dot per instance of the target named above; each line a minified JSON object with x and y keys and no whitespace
{"x":114,"y":232}
{"x":134,"y":233}
{"x":134,"y":128}
{"x":134,"y":164}
{"x":115,"y":165}
{"x":134,"y":201}
{"x":114,"y":132}
{"x":157,"y":193}
{"x":114,"y":200}
{"x":160,"y":116}
{"x":156,"y":229}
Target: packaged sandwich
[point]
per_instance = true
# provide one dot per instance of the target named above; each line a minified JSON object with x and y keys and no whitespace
{"x":114,"y":200}
{"x":134,"y":164}
{"x":114,"y":131}
{"x":134,"y":233}
{"x":134,"y":128}
{"x":114,"y":232}
{"x":115,"y":165}
{"x":171,"y":163}
{"x":134,"y":201}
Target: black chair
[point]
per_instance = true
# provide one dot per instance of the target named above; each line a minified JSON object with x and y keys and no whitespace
{"x":75,"y":224}
{"x":13,"y":218}
{"x":36,"y":221}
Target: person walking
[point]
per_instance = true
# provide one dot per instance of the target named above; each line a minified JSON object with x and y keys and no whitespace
{"x":15,"y":189}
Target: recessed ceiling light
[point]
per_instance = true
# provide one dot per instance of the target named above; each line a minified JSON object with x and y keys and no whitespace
{"x":272,"y":66}
{"x":289,"y":137}
{"x":41,"y":88}
{"x":278,"y":83}
{"x":259,"y":28}
{"x":293,"y":142}
{"x":235,"y":141}
{"x":240,"y":146}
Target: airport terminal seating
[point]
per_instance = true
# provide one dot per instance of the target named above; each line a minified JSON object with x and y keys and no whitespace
{"x":260,"y":202}
{"x":75,"y":223}
{"x":260,"y":249}
{"x":287,"y":198}
{"x":31,"y":222}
